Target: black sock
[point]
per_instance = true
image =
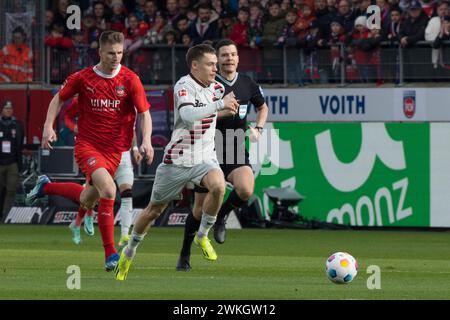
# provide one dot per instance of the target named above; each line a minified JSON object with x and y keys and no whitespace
{"x":190,"y":228}
{"x":233,"y":201}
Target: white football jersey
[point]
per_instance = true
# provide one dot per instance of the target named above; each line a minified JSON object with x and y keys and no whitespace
{"x":193,"y":142}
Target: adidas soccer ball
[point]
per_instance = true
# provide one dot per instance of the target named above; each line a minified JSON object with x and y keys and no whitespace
{"x":341,"y":267}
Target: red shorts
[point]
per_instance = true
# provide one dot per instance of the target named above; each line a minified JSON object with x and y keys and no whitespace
{"x":90,"y":159}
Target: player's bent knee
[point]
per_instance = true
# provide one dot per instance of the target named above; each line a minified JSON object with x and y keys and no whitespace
{"x":217,"y":189}
{"x":244,"y":193}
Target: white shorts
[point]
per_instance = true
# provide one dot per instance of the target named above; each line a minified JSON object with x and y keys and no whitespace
{"x":124,"y":173}
{"x":170,"y":180}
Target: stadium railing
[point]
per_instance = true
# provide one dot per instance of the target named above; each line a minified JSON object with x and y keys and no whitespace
{"x":339,"y":65}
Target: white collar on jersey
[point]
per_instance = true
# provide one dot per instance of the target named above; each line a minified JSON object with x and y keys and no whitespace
{"x":229,"y":83}
{"x":104,"y":75}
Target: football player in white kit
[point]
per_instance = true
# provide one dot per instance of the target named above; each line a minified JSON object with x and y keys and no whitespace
{"x":190,"y":156}
{"x":124,"y":178}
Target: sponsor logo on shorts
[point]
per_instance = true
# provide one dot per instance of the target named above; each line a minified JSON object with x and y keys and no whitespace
{"x":177,"y":219}
{"x":91,"y":161}
{"x":120,"y":91}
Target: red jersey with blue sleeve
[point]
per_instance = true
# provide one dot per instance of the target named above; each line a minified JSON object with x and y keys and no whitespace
{"x":107,"y":106}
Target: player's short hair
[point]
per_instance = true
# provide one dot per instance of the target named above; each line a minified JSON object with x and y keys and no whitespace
{"x":224,"y":43}
{"x":111,"y":37}
{"x":196,"y":52}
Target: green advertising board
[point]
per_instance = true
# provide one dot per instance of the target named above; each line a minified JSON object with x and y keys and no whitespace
{"x":363,"y":174}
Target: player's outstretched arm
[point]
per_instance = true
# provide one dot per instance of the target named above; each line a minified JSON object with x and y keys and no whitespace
{"x":146,"y":148}
{"x":190,"y":113}
{"x":48,"y":134}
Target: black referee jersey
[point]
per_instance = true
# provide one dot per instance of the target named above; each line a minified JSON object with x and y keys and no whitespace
{"x":247,"y":92}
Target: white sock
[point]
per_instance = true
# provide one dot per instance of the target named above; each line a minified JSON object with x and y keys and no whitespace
{"x":125,"y":211}
{"x":135,"y":239}
{"x":205,"y":225}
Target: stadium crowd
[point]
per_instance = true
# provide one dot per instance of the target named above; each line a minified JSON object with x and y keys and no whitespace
{"x":261,"y":28}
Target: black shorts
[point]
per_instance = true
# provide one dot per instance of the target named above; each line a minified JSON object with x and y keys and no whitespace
{"x":226,"y":168}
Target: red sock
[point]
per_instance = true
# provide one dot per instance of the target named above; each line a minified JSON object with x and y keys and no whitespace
{"x":80,"y":215}
{"x":106,"y":225}
{"x":68,"y":190}
{"x":90,"y":212}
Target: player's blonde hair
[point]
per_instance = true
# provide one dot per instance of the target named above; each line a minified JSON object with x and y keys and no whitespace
{"x":111,"y":37}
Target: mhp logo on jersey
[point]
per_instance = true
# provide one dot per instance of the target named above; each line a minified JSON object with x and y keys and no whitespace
{"x":120,"y":91}
{"x":409,"y":103}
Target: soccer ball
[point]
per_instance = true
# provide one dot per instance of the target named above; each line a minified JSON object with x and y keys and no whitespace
{"x":341,"y":267}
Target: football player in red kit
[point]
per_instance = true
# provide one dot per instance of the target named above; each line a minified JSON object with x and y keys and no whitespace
{"x":109,"y":96}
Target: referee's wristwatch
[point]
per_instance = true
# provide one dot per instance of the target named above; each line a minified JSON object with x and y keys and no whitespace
{"x":260,"y":129}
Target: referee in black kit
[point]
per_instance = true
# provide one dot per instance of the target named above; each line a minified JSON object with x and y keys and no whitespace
{"x":236,"y":168}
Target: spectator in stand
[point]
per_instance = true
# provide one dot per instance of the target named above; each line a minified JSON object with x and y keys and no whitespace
{"x":285,"y":6}
{"x":133,"y":35}
{"x":101,"y":18}
{"x":288,"y":38}
{"x":256,"y":24}
{"x":346,"y":15}
{"x":239,"y":31}
{"x":172,"y":13}
{"x":203,"y":29}
{"x":311,"y":43}
{"x":272,"y":57}
{"x":182,"y":27}
{"x":361,"y":8}
{"x":82,"y":55}
{"x":139,"y":9}
{"x":56,"y":38}
{"x":249,"y":58}
{"x":429,"y":7}
{"x":156,"y":32}
{"x":393,"y":30}
{"x":60,"y":14}
{"x":358,"y":35}
{"x":192,"y":15}
{"x":118,"y":16}
{"x":48,"y":21}
{"x":218,"y":7}
{"x":413,"y":29}
{"x":184,"y":6}
{"x":226,"y":23}
{"x":90,"y":30}
{"x":302,"y":24}
{"x":434,"y":26}
{"x":150,"y":10}
{"x":336,"y":36}
{"x":323,"y":17}
{"x":332,"y":8}
{"x":186,"y":40}
{"x":444,"y":34}
{"x":366,"y":50}
{"x":16,"y":59}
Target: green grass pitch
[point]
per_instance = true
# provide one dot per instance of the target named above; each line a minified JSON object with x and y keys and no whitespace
{"x":253,"y":264}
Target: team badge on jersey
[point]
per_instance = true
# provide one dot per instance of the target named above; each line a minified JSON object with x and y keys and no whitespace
{"x":182,"y":93}
{"x":91,"y":161}
{"x":219,"y":90}
{"x":120,"y":91}
{"x":243,"y":110}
